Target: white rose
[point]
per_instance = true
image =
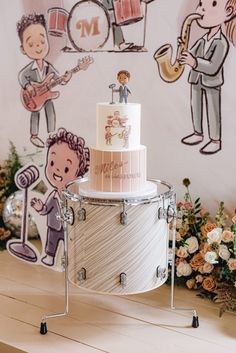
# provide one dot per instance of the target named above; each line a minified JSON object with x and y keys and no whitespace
{"x":183,"y":269}
{"x":215,"y":236}
{"x":211,"y":257}
{"x":224,"y":252}
{"x":192,"y":245}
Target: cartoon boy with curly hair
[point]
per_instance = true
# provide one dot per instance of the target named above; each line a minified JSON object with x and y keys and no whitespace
{"x":67,"y":159}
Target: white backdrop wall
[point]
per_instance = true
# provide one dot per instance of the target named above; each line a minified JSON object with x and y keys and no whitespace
{"x":165,"y":107}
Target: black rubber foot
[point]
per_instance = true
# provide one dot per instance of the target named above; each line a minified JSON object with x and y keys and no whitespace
{"x":43,"y":328}
{"x":195,"y":322}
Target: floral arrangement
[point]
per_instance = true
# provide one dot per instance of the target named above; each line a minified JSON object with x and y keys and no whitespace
{"x":7,"y":186}
{"x":206,"y":251}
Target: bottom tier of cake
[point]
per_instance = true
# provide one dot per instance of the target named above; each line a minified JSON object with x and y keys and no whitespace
{"x":117,"y":171}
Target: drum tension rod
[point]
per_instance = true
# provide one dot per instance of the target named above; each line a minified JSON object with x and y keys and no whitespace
{"x":123,"y":279}
{"x":124,"y":215}
{"x":81,"y":213}
{"x":81,"y":275}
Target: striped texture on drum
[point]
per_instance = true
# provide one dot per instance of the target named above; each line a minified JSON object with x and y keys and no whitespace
{"x":105,"y":248}
{"x":117,"y":171}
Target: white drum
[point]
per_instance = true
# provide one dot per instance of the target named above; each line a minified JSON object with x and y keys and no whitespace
{"x":88,"y":25}
{"x":119,"y":246}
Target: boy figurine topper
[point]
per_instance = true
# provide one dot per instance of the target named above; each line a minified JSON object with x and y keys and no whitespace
{"x":67,"y":159}
{"x":34,"y":44}
{"x":123,"y":77}
{"x":206,"y":59}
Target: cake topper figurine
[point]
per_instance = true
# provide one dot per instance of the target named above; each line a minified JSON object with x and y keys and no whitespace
{"x":123,"y":77}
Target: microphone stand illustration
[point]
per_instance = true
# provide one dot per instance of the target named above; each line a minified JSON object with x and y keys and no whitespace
{"x":112,"y":86}
{"x":24,"y":179}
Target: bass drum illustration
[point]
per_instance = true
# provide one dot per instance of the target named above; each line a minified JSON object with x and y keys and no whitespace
{"x":88,"y":25}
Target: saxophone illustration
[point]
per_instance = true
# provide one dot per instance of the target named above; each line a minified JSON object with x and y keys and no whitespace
{"x":171,"y":72}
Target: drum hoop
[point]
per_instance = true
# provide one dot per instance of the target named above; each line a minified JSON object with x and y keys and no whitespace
{"x":59,"y":9}
{"x":70,"y":17}
{"x":117,"y":202}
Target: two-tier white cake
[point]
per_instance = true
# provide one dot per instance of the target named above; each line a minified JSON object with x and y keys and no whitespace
{"x":118,"y":161}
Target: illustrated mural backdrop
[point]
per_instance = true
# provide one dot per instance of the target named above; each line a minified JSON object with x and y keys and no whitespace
{"x":188,"y":111}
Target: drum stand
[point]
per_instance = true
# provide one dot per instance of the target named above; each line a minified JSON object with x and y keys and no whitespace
{"x":168,"y":214}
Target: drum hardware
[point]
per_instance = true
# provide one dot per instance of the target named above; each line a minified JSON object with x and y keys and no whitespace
{"x":68,"y":216}
{"x":124,"y":216}
{"x":81,"y":214}
{"x":123,"y":279}
{"x":161,"y":272}
{"x":81,"y":275}
{"x":168,"y":214}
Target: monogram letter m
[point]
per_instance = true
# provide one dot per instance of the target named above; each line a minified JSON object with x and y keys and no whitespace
{"x":87,"y":28}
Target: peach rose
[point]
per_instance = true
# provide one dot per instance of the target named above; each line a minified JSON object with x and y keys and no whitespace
{"x":227,"y":236}
{"x":206,"y":228}
{"x":183,"y":269}
{"x":184,"y":230}
{"x":182,"y":252}
{"x":205,"y":248}
{"x":178,"y":237}
{"x":187,"y":205}
{"x":197,"y":261}
{"x":207,"y":268}
{"x":209,"y":284}
{"x":190,"y":283}
{"x":232,"y":264}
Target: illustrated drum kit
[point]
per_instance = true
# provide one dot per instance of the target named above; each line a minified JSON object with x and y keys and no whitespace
{"x":117,"y":245}
{"x":88,"y":23}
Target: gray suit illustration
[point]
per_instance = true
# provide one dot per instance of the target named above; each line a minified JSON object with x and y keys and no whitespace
{"x":117,"y":31}
{"x":124,"y":91}
{"x":55,"y":231}
{"x":28,"y":75}
{"x":206,"y":80}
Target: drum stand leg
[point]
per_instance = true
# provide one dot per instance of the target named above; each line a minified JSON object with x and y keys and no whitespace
{"x":43,"y":326}
{"x":195,"y":320}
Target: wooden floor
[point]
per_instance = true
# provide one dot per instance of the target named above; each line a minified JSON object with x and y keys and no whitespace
{"x":103,"y":323}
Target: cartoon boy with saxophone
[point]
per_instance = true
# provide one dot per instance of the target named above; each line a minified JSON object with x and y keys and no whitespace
{"x":206,"y":59}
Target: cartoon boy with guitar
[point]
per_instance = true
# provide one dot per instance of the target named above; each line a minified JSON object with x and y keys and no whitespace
{"x":39,"y":76}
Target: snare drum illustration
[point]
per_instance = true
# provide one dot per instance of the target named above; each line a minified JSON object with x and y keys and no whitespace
{"x":88,"y":25}
{"x":127,"y":11}
{"x":57,"y":21}
{"x":117,"y":247}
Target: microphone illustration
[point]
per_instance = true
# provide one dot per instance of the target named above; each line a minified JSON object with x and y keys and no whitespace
{"x":24,"y":180}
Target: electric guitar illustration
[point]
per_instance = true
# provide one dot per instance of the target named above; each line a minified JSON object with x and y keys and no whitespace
{"x":42,"y":90}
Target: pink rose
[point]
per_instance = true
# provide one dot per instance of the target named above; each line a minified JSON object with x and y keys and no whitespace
{"x":199,"y":278}
{"x":227,"y":236}
{"x":207,"y":268}
{"x":182,"y":252}
{"x":232,"y":264}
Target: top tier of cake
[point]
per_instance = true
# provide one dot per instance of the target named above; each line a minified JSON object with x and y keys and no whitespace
{"x":118,"y":126}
